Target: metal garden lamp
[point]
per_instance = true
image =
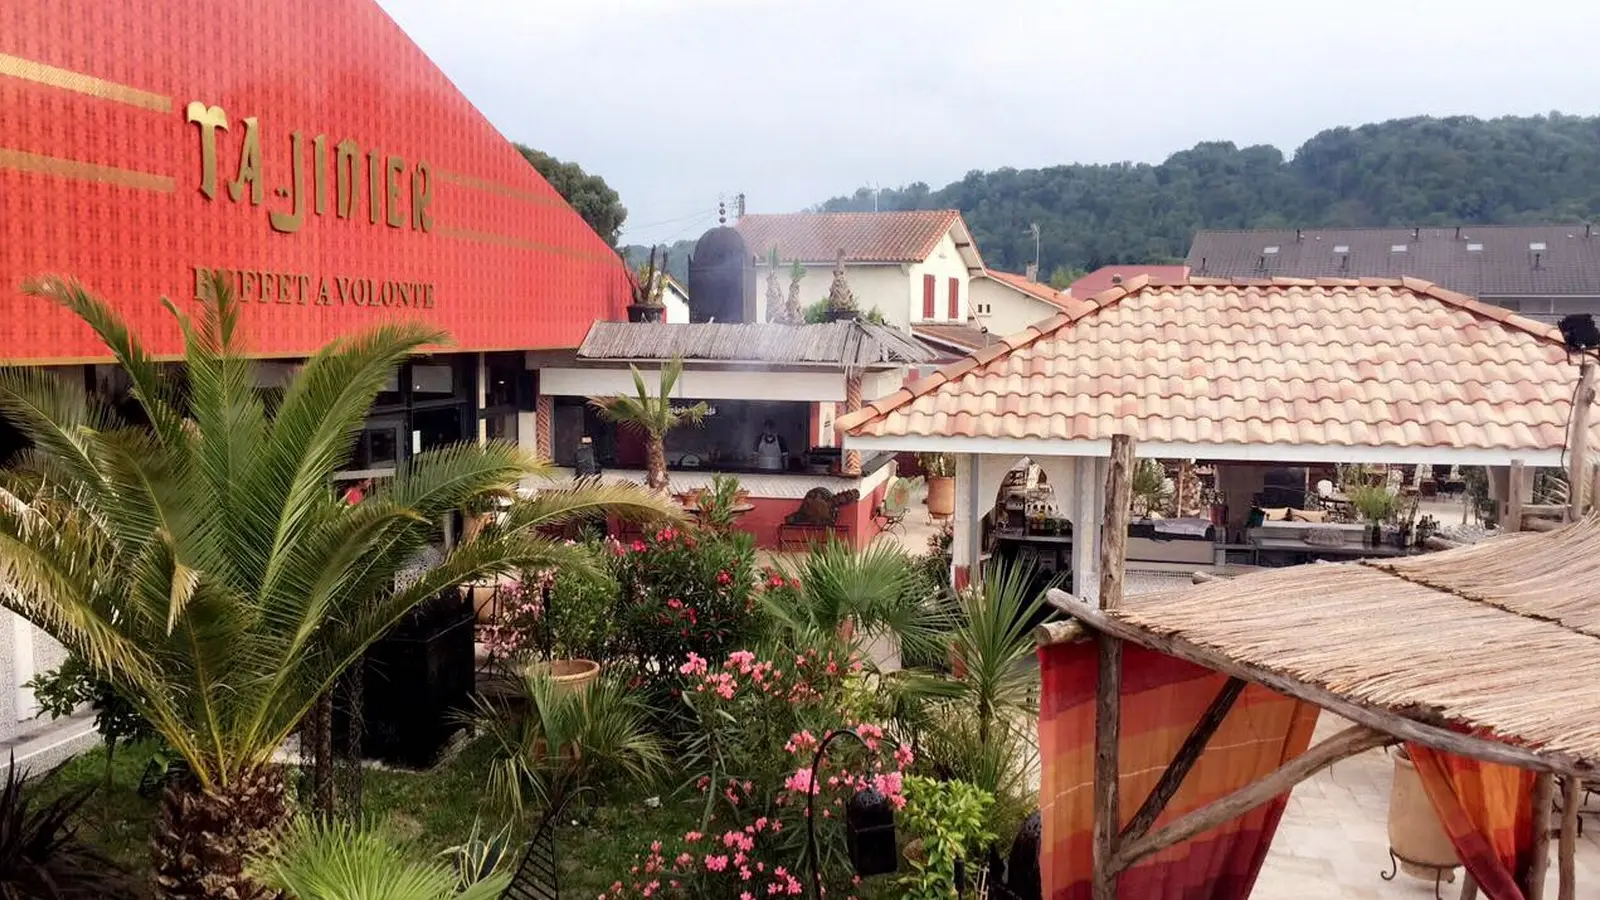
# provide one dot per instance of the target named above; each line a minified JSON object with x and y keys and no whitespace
{"x":869,"y":825}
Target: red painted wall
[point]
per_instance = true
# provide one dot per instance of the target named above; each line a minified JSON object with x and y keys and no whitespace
{"x":102,"y":177}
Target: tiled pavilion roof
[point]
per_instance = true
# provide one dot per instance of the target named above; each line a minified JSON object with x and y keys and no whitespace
{"x":1227,"y":365}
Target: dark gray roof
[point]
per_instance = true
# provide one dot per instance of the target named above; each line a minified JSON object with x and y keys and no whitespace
{"x":845,"y":344}
{"x":1478,"y":260}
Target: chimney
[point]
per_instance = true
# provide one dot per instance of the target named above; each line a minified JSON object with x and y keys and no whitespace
{"x":1032,"y":272}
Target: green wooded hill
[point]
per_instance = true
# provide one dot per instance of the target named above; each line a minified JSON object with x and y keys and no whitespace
{"x":1419,"y":171}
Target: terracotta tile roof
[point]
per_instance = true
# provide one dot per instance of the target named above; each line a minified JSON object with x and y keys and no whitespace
{"x":881,"y":237}
{"x":1107,"y":277}
{"x":1331,"y":362}
{"x":1032,"y":288}
{"x":962,"y":337}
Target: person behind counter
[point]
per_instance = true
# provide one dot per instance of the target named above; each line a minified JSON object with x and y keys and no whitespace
{"x":771,"y":452}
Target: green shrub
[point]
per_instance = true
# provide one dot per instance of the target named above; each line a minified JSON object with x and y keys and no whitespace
{"x":945,"y":821}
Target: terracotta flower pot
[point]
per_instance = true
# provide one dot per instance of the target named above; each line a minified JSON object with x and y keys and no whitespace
{"x":1415,"y":835}
{"x":941,"y":495}
{"x":568,"y":674}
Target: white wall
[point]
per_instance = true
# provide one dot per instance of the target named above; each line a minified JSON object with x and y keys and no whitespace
{"x":699,"y":385}
{"x":943,"y":264}
{"x":881,"y":287}
{"x":1010,"y":309}
{"x":676,"y":303}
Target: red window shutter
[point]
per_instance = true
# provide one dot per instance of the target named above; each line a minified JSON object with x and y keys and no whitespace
{"x":955,"y":299}
{"x":929,"y":288}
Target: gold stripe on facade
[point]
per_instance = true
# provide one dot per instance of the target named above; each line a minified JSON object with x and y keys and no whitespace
{"x":486,"y":237}
{"x":23,"y":161}
{"x":493,"y":187}
{"x":68,"y":80}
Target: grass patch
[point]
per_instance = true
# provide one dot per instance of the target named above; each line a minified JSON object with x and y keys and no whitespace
{"x":433,"y":810}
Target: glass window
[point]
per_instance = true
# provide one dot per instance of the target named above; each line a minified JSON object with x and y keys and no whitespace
{"x":432,"y":382}
{"x":505,"y":371}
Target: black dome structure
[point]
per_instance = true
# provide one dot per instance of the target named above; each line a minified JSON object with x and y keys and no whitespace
{"x":722,"y":279}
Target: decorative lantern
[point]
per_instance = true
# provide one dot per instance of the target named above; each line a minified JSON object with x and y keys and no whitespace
{"x":869,"y":834}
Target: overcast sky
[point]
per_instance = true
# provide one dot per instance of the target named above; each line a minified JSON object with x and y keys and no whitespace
{"x":675,"y":102}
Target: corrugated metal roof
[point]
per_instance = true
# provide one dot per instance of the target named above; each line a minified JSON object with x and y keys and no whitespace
{"x":846,"y":344}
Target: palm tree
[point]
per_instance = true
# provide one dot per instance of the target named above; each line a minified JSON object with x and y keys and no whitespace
{"x":203,"y":566}
{"x":852,"y":596}
{"x":652,"y":415}
{"x":555,"y":741}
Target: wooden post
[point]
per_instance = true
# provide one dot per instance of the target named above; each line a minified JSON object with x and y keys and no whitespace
{"x":1108,"y":688}
{"x":1544,"y":795}
{"x":1567,"y":852}
{"x":1512,"y":520}
{"x":1578,"y":440}
{"x":1114,"y":535}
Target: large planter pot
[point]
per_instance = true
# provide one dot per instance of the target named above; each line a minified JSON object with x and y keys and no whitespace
{"x":647,"y":313}
{"x":568,"y":674}
{"x":418,"y":680}
{"x":941,"y":496}
{"x":1415,"y":835}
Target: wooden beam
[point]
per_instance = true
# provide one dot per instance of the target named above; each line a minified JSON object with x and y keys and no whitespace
{"x":1183,"y":761}
{"x":1548,"y":510}
{"x":1107,"y":766}
{"x":1540,"y":525}
{"x":1051,"y":633}
{"x":1544,"y":796}
{"x":1578,"y":441}
{"x":1108,"y":686}
{"x":1439,"y":738}
{"x":1114,"y":534}
{"x":1567,"y":852}
{"x":1347,"y":743}
{"x":1512,"y":520}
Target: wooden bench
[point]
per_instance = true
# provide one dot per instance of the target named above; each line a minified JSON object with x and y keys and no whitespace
{"x":802,"y":537}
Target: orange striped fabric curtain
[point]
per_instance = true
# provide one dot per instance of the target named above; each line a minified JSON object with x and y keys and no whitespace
{"x":1487,"y":812}
{"x":1162,"y":699}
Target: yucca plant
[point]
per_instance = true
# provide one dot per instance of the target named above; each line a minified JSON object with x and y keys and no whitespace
{"x":992,"y":643}
{"x":41,"y":855}
{"x":203,"y":566}
{"x":552,"y":741}
{"x":652,"y":415}
{"x":336,"y":860}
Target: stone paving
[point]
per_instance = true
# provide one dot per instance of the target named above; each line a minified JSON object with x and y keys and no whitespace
{"x":1333,"y":840}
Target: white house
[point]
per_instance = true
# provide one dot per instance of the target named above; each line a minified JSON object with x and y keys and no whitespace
{"x":675,"y":297}
{"x":912,"y":267}
{"x":919,"y":269}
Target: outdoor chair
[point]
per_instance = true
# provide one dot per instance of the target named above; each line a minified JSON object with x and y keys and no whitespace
{"x":891,"y":512}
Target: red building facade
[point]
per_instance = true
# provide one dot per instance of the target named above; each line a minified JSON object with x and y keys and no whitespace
{"x":307,"y":148}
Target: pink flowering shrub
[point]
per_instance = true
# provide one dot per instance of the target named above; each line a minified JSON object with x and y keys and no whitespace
{"x":748,"y":853}
{"x":684,"y":593}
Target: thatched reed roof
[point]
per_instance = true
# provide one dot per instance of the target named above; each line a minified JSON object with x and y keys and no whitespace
{"x":847,"y":344}
{"x":1502,"y":636}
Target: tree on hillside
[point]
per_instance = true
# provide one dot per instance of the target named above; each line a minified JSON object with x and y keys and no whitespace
{"x":1418,"y":171}
{"x":589,"y":195}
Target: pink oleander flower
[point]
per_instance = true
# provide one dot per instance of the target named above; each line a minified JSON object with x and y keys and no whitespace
{"x":716,"y":863}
